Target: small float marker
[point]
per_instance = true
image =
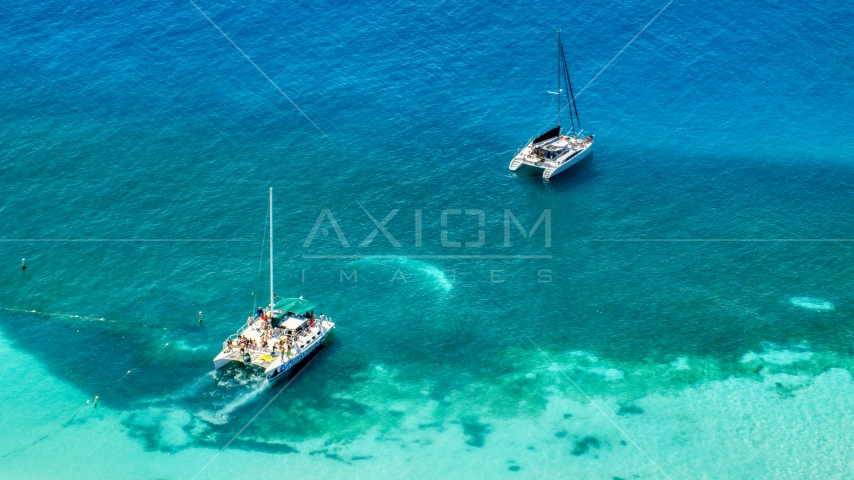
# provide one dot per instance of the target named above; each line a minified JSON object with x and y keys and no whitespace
{"x":23,"y":266}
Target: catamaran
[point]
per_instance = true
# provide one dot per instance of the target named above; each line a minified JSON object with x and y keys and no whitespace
{"x":279,"y":337}
{"x":552,"y":152}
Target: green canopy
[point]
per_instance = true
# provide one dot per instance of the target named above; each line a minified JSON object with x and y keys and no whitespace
{"x":300,"y":306}
{"x":285,"y":303}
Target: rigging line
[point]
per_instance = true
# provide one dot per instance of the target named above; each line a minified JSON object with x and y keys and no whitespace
{"x":548,"y":123}
{"x":559,"y":107}
{"x":209,"y":19}
{"x":261,"y":255}
{"x":569,"y":91}
{"x":263,"y":239}
{"x":293,"y":270}
{"x":254,"y":303}
{"x":572,"y":95}
{"x":256,"y":416}
{"x":624,"y":48}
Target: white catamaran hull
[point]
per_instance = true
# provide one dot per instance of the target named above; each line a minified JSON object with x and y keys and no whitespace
{"x":274,"y":367}
{"x":551,"y":152}
{"x":278,"y":368}
{"x":522,"y":164}
{"x":223,"y":359}
{"x":572,"y":161}
{"x":277,"y":338}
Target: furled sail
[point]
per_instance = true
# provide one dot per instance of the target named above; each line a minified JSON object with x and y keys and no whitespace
{"x":550,"y":134}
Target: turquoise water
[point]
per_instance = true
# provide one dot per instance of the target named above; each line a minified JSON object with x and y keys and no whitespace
{"x":599,"y":355}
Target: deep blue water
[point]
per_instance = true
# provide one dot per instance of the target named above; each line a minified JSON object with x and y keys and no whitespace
{"x":722,"y":133}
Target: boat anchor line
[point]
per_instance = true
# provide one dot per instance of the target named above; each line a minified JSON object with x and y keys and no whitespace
{"x":126,"y":240}
{"x":77,"y":412}
{"x":105,"y":320}
{"x":416,"y":257}
{"x":82,"y":317}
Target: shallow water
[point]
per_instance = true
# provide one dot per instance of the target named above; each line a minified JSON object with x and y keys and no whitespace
{"x":721,"y":349}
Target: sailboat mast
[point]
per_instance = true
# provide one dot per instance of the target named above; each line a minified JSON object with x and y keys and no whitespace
{"x":271,"y":251}
{"x":558,"y":78}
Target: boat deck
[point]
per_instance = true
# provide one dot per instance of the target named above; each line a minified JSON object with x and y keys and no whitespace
{"x":265,"y":355}
{"x":537,"y":161}
{"x":551,"y":156}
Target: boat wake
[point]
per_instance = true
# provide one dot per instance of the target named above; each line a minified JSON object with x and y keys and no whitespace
{"x":436,"y":274}
{"x":411,"y":270}
{"x":220,"y":417}
{"x":255,"y":383}
{"x":183,"y":346}
{"x":814,"y":304}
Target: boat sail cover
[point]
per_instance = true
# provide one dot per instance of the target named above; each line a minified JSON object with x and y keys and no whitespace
{"x":550,"y":134}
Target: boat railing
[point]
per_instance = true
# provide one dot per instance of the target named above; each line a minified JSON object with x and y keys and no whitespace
{"x":240,"y":331}
{"x":235,"y":336}
{"x":227,"y":342}
{"x":309,"y":340}
{"x":519,"y":150}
